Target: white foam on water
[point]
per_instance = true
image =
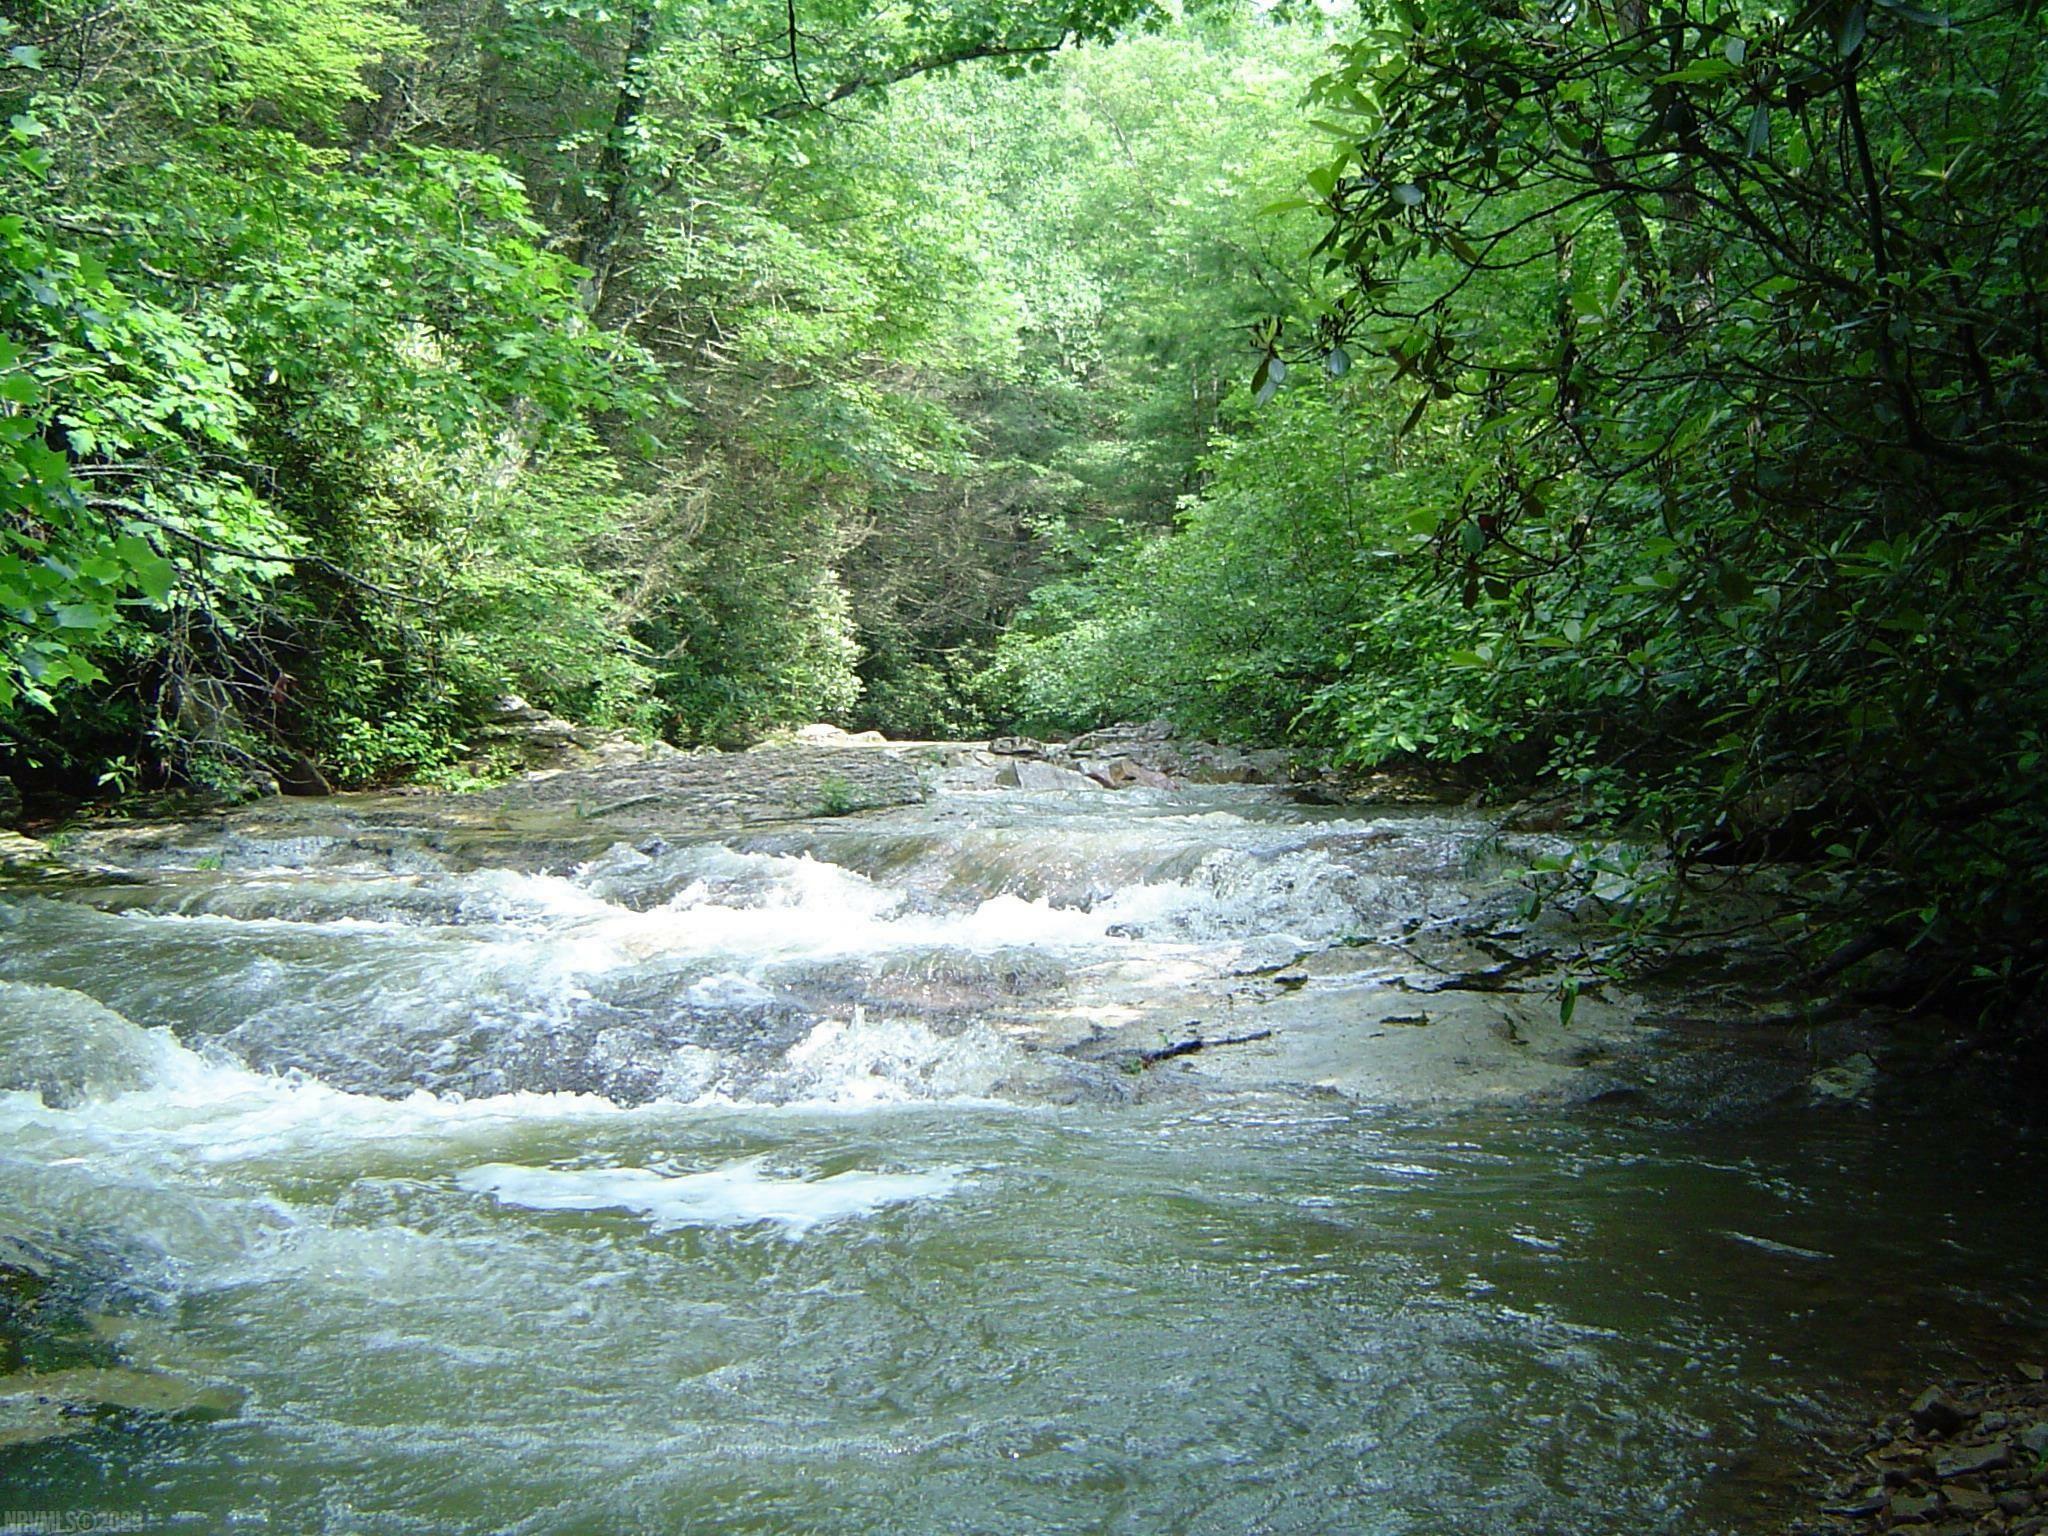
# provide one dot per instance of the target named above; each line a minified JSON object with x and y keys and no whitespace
{"x":858,"y":1063}
{"x":763,"y":908}
{"x":1772,"y":1245}
{"x":737,"y":1194}
{"x":127,"y":1091}
{"x":140,"y":1100}
{"x":62,"y":1046}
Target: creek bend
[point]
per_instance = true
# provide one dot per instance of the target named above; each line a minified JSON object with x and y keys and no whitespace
{"x":804,"y":1178}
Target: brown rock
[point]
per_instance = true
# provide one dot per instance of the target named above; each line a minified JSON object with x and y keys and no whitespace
{"x":1123,"y":773}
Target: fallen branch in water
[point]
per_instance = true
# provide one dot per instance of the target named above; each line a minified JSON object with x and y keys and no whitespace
{"x":1189,"y":1047}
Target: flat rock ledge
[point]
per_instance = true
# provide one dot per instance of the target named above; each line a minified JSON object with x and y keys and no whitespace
{"x":542,"y":819}
{"x":776,"y":782}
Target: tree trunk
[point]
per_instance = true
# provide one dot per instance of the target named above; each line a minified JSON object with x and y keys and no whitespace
{"x":608,"y":224}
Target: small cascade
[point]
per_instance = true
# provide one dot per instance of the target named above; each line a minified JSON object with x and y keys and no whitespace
{"x":709,"y":968}
{"x":777,"y":1182}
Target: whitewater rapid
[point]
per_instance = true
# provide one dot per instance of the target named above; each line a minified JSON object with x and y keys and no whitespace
{"x":812,"y":1180}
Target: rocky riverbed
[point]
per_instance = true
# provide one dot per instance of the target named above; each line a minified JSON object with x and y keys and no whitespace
{"x":1462,"y":1001}
{"x":967,"y":1099}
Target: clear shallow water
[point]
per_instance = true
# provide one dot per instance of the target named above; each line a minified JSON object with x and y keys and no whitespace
{"x":701,"y":1190}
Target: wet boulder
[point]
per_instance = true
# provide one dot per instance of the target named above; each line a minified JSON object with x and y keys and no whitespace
{"x":1028,"y":773}
{"x":1123,"y":773}
{"x":1849,"y":1081}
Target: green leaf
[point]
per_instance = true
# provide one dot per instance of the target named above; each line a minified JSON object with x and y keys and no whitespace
{"x":1266,"y":382}
{"x":1758,"y":139}
{"x":1699,"y":71}
{"x":1855,"y":25}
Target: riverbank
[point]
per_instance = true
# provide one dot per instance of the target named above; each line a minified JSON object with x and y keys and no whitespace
{"x":1968,"y":1455}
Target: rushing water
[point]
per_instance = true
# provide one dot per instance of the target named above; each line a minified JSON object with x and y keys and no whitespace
{"x":709,"y":1188}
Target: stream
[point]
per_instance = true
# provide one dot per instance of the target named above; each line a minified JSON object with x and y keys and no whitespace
{"x":805,"y":1179}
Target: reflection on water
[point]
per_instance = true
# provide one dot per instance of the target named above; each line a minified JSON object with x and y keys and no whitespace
{"x":613,"y":1201}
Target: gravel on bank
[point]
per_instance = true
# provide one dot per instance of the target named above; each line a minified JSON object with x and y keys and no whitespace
{"x":1964,"y":1458}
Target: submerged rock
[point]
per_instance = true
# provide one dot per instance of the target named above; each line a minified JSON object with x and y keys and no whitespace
{"x":1849,"y":1081}
{"x":1971,"y":1461}
{"x":47,"y":1405}
{"x":69,"y":1049}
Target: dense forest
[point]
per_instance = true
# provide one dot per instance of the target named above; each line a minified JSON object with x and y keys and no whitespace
{"x":1644,"y":401}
